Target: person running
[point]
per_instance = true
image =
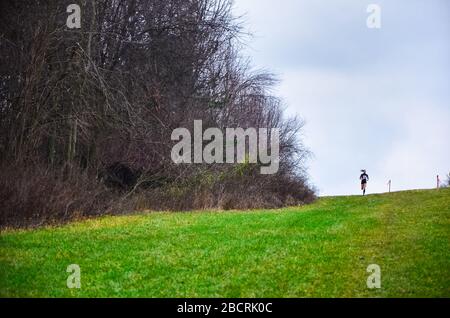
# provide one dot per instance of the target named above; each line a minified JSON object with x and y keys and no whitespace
{"x":364,"y":177}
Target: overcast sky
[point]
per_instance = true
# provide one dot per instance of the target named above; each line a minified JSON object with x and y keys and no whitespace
{"x":372,"y":98}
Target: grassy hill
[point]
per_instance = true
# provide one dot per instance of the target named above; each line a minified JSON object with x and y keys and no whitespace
{"x":319,"y":250}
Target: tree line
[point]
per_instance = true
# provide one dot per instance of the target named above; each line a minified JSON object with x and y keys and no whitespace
{"x":86,"y":114}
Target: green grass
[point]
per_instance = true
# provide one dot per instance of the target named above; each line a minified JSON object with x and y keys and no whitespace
{"x":320,"y":250}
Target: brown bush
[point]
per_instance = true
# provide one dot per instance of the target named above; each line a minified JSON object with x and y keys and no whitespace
{"x":32,"y":196}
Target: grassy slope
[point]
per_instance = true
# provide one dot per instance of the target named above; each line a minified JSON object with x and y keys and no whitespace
{"x":320,"y":250}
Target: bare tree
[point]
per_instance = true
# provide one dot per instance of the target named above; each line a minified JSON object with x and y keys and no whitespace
{"x":103,"y":100}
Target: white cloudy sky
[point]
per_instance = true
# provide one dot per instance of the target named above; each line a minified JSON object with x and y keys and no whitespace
{"x":372,"y":98}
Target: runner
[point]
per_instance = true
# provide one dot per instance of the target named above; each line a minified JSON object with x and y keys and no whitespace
{"x":364,"y":177}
